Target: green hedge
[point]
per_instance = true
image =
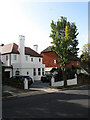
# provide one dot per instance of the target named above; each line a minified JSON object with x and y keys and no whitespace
{"x":13,"y":82}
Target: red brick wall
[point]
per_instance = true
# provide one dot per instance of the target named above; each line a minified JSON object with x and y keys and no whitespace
{"x":49,"y":57}
{"x":73,"y":62}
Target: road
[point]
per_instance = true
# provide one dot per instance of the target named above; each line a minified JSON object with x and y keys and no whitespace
{"x":62,"y":104}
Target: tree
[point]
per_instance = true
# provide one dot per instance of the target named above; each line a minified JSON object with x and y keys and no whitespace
{"x":64,"y":36}
{"x":85,"y":57}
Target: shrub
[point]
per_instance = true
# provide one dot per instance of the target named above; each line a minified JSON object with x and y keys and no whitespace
{"x":18,"y":83}
{"x":70,"y":73}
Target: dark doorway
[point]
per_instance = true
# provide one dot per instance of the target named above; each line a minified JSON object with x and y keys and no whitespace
{"x":7,"y":74}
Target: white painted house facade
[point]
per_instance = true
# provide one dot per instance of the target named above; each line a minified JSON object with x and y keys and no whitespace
{"x":22,"y":60}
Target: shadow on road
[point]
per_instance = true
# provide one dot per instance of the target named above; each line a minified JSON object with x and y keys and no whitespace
{"x":50,"y":105}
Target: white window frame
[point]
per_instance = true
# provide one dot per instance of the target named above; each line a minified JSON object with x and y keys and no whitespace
{"x":39,"y":71}
{"x":31,"y":59}
{"x":77,"y":62}
{"x":34,"y":71}
{"x":6,"y":57}
{"x":42,"y":71}
{"x":55,"y":61}
{"x":26,"y":58}
{"x":15,"y":57}
{"x":39,"y":59}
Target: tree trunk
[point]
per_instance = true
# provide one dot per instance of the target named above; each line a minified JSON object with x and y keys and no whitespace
{"x":64,"y":77}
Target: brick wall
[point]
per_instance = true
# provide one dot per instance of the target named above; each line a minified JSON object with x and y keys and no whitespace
{"x":49,"y":57}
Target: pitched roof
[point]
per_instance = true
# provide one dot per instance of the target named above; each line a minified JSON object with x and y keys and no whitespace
{"x":9,"y":48}
{"x":29,"y":51}
{"x":48,"y":49}
{"x":13,"y":48}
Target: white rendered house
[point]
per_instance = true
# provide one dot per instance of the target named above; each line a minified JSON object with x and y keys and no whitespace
{"x":21,"y":60}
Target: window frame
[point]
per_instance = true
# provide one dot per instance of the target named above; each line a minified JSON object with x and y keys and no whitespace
{"x":31,"y":59}
{"x":34,"y":71}
{"x":39,"y":71}
{"x":26,"y":58}
{"x":15,"y":57}
{"x":42,"y":71}
{"x":6,"y":57}
{"x":55,"y":61}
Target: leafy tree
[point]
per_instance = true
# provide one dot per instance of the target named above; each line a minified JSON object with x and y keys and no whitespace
{"x":85,"y":57}
{"x":64,"y":36}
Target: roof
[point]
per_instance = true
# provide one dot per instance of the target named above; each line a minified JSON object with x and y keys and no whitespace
{"x":13,"y":48}
{"x":48,"y":49}
{"x":29,"y":51}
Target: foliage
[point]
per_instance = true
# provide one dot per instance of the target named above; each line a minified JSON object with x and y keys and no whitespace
{"x":63,"y":34}
{"x":18,"y":83}
{"x":85,"y":57}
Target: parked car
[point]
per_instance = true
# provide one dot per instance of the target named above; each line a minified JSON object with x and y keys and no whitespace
{"x":46,"y":78}
{"x":21,"y":78}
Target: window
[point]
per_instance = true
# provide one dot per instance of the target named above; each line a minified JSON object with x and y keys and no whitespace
{"x":39,"y":71}
{"x":6,"y":57}
{"x":34,"y":71}
{"x":27,"y":73}
{"x":72,"y":63}
{"x":39,"y":59}
{"x":15,"y":57}
{"x":26,"y":58}
{"x":42,"y":71}
{"x":17,"y":72}
{"x":31,"y":59}
{"x":77,"y":62}
{"x":55,"y":61}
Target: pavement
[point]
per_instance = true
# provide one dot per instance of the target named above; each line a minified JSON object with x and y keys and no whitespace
{"x":36,"y":88}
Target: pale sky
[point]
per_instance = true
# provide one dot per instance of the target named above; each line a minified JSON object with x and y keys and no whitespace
{"x":32,"y":19}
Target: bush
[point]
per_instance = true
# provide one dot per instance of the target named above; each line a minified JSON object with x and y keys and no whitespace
{"x":18,"y":83}
{"x":70,"y":73}
{"x":83,"y":78}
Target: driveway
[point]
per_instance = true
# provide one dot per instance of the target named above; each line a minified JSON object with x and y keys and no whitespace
{"x":39,"y":85}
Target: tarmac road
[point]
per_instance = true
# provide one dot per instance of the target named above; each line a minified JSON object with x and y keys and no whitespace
{"x":61,"y":104}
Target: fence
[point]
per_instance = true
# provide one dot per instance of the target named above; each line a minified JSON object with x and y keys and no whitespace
{"x":61,"y":83}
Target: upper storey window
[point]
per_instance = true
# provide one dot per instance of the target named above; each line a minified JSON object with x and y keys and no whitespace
{"x":15,"y":57}
{"x":6,"y":57}
{"x":31,"y":59}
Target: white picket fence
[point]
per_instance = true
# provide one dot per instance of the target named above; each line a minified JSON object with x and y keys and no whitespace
{"x":61,"y":83}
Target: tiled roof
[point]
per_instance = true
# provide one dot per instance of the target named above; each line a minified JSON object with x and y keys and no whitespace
{"x":29,"y":51}
{"x":13,"y":48}
{"x":48,"y":49}
{"x":9,"y":48}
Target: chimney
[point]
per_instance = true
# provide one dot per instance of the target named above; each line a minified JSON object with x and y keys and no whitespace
{"x":22,"y":44}
{"x":35,"y":47}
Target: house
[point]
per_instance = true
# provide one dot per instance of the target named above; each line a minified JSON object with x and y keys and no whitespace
{"x":51,"y":60}
{"x":21,"y":60}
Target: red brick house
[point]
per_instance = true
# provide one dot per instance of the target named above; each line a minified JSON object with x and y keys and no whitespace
{"x":51,"y":59}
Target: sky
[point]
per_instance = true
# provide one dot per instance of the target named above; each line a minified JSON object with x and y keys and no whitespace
{"x":33,"y":19}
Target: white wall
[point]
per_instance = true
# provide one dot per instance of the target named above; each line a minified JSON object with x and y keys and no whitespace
{"x":27,"y":66}
{"x":3,"y":59}
{"x":61,"y":83}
